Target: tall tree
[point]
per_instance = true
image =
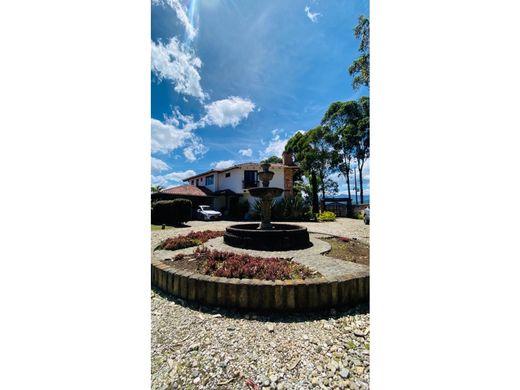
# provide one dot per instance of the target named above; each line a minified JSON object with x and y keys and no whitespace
{"x":299,"y":145}
{"x":340,"y":118}
{"x":350,"y":122}
{"x":362,"y":139}
{"x":324,"y":157}
{"x":360,"y":67}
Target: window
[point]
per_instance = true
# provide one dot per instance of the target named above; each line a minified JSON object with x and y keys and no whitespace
{"x":228,"y":174}
{"x":250,"y":178}
{"x":209,"y":180}
{"x":192,"y":182}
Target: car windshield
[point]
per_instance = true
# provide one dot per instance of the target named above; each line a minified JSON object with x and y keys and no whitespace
{"x":205,"y":208}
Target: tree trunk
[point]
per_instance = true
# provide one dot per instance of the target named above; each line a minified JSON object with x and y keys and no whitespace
{"x":314,"y":184}
{"x":355,"y":186}
{"x":360,"y":168}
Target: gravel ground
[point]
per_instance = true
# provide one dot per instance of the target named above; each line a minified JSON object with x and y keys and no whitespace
{"x":196,"y":347}
{"x":205,"y":348}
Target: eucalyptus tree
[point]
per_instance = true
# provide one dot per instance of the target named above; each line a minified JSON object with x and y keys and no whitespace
{"x":362,"y":139}
{"x":350,"y":125}
{"x":272,"y":160}
{"x":340,"y":117}
{"x":360,"y":67}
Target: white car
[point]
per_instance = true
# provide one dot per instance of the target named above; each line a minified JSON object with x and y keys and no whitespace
{"x":205,"y":213}
{"x":366,"y":216}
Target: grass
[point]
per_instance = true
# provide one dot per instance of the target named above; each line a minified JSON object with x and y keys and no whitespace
{"x":159,"y":227}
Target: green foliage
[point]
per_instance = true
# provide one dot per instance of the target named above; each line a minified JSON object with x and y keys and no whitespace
{"x":157,"y":189}
{"x":360,"y":67}
{"x":272,"y":160}
{"x":171,"y":212}
{"x":360,"y":215}
{"x":290,"y":209}
{"x":243,"y":208}
{"x":326,"y":216}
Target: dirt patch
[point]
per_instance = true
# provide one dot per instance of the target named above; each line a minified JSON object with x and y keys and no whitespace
{"x":349,"y":249}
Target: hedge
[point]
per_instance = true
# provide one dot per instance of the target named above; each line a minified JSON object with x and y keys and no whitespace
{"x":171,"y":212}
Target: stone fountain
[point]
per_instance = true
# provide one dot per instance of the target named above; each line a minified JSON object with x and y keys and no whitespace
{"x":267,"y":236}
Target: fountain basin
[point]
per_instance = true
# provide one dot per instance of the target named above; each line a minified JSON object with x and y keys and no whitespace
{"x":280,"y":237}
{"x":259,"y":192}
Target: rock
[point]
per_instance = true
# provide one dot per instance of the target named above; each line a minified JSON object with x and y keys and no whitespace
{"x":217,"y":315}
{"x":305,"y":337}
{"x":196,"y":380}
{"x":359,"y":370}
{"x":359,"y":333}
{"x":230,"y":328}
{"x":344,"y":373}
{"x":314,"y":381}
{"x":194,"y":347}
{"x":270,"y":328}
{"x":273,"y":378}
{"x":280,"y":386}
{"x":266,"y":383}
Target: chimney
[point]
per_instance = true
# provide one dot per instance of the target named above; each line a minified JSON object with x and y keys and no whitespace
{"x":287,"y":158}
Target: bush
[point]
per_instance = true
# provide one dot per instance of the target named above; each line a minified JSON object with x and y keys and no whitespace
{"x":285,"y":209}
{"x":360,"y":215}
{"x":326,"y":216}
{"x":171,"y":212}
{"x":191,"y":239}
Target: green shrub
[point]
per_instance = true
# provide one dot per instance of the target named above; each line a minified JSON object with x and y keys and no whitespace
{"x":171,"y":212}
{"x":290,"y":209}
{"x":360,"y":215}
{"x":326,"y":216}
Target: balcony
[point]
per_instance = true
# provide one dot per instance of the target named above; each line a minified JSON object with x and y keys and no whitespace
{"x":250,"y":184}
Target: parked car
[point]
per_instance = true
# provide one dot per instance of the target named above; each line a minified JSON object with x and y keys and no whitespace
{"x":205,"y":213}
{"x":366,"y":215}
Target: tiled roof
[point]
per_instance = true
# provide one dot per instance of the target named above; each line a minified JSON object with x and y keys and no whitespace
{"x":188,"y":190}
{"x":238,"y":166}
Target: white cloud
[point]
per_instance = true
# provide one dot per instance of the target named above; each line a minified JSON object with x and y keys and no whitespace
{"x":228,"y":111}
{"x":223,"y":164}
{"x":173,"y":62}
{"x":167,"y":137}
{"x":246,"y":152}
{"x":181,"y":15}
{"x":276,"y":146}
{"x":179,"y":176}
{"x":313,"y":17}
{"x":171,"y":178}
{"x":158,"y":165}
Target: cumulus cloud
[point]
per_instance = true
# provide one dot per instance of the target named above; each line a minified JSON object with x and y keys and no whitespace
{"x":175,"y":63}
{"x":276,"y":146}
{"x":167,"y":137}
{"x":181,"y":15}
{"x":246,"y":152}
{"x":159,"y":165}
{"x":223,"y":164}
{"x":171,"y":178}
{"x":313,"y":17}
{"x":228,"y":111}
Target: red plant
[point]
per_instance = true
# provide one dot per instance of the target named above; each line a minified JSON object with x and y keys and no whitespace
{"x":233,"y":265}
{"x":191,"y":239}
{"x":344,"y":239}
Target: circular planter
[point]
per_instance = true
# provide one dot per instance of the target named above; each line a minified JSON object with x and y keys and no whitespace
{"x":282,"y":237}
{"x":261,"y":295}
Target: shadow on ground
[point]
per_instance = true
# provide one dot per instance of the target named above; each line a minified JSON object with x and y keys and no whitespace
{"x":267,"y":316}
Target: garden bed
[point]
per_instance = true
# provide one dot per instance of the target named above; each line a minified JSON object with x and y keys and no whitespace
{"x":189,"y":240}
{"x":234,"y":265}
{"x":348,"y":249}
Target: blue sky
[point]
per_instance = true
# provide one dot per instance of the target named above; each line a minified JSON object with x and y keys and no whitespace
{"x":233,"y":80}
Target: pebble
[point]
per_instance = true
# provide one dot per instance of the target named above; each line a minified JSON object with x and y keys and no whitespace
{"x":307,"y":352}
{"x":344,"y":373}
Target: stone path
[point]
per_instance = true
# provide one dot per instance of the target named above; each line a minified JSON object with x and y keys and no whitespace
{"x":311,"y":257}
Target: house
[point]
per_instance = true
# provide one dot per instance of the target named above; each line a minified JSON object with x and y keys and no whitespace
{"x":223,"y":189}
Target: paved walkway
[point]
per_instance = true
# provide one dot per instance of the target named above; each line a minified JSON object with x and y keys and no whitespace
{"x":311,"y":257}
